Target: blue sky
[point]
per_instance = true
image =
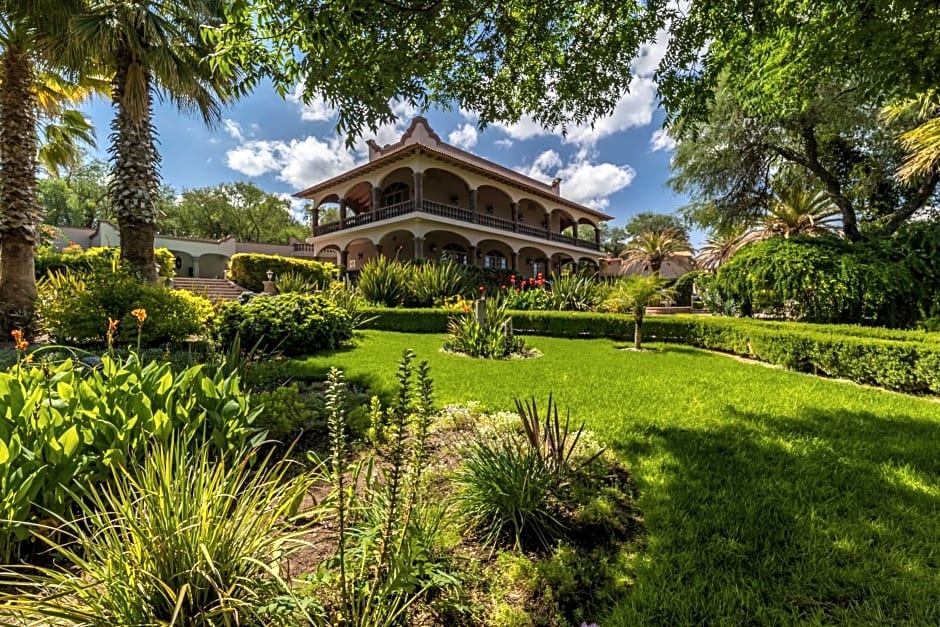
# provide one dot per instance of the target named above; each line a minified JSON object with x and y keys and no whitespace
{"x":619,"y":166}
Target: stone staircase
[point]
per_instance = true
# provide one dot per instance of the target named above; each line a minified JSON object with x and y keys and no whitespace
{"x":216,"y":290}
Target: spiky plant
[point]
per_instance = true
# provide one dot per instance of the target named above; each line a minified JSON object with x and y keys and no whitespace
{"x":921,"y":143}
{"x":796,"y":210}
{"x":719,"y":248}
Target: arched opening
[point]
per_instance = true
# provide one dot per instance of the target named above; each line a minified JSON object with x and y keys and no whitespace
{"x":588,"y":265}
{"x":444,"y":245}
{"x":398,"y":245}
{"x":532,"y":261}
{"x":396,"y":187}
{"x":494,"y":255}
{"x":445,"y":187}
{"x":531,"y":214}
{"x":328,"y":214}
{"x":358,"y":252}
{"x":493,"y":202}
{"x":211,"y":266}
{"x":329,"y":254}
{"x":359,"y":198}
{"x":185,"y":264}
{"x":563,"y":263}
{"x":588,"y":231}
{"x":562,"y":222}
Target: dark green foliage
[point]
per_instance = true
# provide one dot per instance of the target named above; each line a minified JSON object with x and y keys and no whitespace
{"x":549,"y":438}
{"x":99,"y":259}
{"x":74,"y":309}
{"x":250,"y":270}
{"x":491,"y":337}
{"x":681,"y":288}
{"x":384,"y":282}
{"x":506,"y":494}
{"x":820,"y":280}
{"x":432,"y":283}
{"x":294,"y":324}
{"x":899,"y":360}
{"x":575,"y":291}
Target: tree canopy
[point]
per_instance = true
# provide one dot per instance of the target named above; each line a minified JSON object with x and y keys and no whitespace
{"x":654,"y":222}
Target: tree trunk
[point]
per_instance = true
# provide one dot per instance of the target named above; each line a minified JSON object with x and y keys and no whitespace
{"x":19,"y":207}
{"x":135,"y":184}
{"x":637,"y":332}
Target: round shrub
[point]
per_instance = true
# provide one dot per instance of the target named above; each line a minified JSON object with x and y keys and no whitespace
{"x":294,"y":324}
{"x":75,"y":309}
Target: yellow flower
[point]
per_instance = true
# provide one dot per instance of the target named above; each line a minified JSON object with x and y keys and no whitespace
{"x":140,"y":314}
{"x":28,"y":359}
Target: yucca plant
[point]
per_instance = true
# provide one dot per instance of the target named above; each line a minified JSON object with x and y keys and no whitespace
{"x":384,"y":282}
{"x":550,"y":438}
{"x":490,"y":337}
{"x":350,"y":299}
{"x":294,"y":282}
{"x":186,"y":538}
{"x":574,"y":292}
{"x":433,"y":283}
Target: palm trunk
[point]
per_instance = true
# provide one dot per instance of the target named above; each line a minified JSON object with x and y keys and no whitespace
{"x":19,"y":207}
{"x":135,"y":184}
{"x":637,"y":332}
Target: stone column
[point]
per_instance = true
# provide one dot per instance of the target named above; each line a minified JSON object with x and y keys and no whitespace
{"x":419,"y":247}
{"x":574,"y":231}
{"x":473,"y":203}
{"x":419,"y":190}
{"x":548,"y":225}
{"x":344,"y":258}
{"x":514,"y":206}
{"x":376,"y":199}
{"x":342,"y":214}
{"x":378,"y":250}
{"x":472,"y":256}
{"x":515,"y":262}
{"x":196,"y":267}
{"x":597,"y":237}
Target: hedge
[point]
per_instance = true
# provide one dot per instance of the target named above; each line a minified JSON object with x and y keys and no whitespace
{"x":97,"y":258}
{"x":905,"y":361}
{"x":250,"y":269}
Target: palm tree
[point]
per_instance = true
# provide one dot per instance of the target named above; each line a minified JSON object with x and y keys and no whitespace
{"x":649,"y":250}
{"x":28,"y":36}
{"x":719,"y":247}
{"x":796,"y":210}
{"x":633,"y":295}
{"x":149,"y":46}
{"x":922,"y":143}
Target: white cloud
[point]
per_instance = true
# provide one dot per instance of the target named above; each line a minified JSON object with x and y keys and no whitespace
{"x":464,"y":136}
{"x":661,"y":140}
{"x":300,"y":163}
{"x":633,"y":109}
{"x":588,"y":183}
{"x":234,"y":129}
{"x":651,"y":54}
{"x":317,"y":110}
{"x":503,"y":143}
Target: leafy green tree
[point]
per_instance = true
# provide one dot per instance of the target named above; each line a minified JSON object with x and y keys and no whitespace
{"x":633,"y":295}
{"x":613,"y":239}
{"x":728,"y":162}
{"x":921,"y":143}
{"x":149,"y":47}
{"x":241,"y":210}
{"x":560,"y":62}
{"x":78,"y":197}
{"x":654,"y":222}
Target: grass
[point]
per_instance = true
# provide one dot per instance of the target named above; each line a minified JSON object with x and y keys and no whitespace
{"x":769,"y":497}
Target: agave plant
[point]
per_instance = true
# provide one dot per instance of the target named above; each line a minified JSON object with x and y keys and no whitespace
{"x":650,"y":250}
{"x":432,"y":283}
{"x":574,"y":292}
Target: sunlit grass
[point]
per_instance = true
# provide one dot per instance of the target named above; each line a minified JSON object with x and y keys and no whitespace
{"x":769,"y":497}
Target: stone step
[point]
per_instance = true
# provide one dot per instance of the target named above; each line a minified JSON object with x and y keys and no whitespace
{"x":213,"y":289}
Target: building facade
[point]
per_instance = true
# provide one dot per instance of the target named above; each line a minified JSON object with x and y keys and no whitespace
{"x":420,"y":198}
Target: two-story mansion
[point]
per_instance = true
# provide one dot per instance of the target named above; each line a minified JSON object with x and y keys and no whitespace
{"x":423,"y":198}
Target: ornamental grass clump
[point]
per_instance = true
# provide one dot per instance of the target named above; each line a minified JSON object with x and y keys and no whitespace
{"x":489,"y":336}
{"x":184,"y":538}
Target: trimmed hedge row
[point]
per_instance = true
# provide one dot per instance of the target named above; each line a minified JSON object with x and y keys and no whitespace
{"x":907,"y":361}
{"x":98,"y":258}
{"x":250,"y":269}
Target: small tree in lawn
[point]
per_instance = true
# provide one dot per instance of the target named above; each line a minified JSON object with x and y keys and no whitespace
{"x":633,"y":295}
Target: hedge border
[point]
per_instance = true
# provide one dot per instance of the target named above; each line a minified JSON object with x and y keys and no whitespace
{"x":907,"y":361}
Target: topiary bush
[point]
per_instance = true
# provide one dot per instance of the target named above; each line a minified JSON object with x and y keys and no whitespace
{"x":75,"y":309}
{"x":250,"y":270}
{"x":294,"y":324}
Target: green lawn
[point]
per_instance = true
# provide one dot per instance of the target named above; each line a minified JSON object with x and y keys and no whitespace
{"x":769,"y":497}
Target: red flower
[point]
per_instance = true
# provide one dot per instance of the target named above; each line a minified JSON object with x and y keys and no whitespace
{"x":482,"y":289}
{"x":512,"y":278}
{"x":502,"y":287}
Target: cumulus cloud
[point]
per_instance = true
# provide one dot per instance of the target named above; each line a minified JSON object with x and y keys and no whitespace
{"x":583,"y":181}
{"x":233,"y":129}
{"x":635,"y":108}
{"x":299,"y":162}
{"x":661,"y":140}
{"x":504,"y":143}
{"x":464,"y":136}
{"x":316,"y":110}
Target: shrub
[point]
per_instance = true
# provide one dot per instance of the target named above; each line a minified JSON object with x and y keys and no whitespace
{"x":294,"y":324}
{"x":295,"y":282}
{"x":75,"y":308}
{"x":98,"y":259}
{"x":491,"y":337}
{"x":574,"y":292}
{"x":63,"y":425}
{"x":384,"y":282}
{"x":505,"y":492}
{"x":681,"y":288}
{"x":184,"y":538}
{"x":433,"y":283}
{"x":250,"y":270}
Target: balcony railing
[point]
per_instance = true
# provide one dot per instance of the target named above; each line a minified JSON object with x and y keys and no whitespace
{"x":454,"y":213}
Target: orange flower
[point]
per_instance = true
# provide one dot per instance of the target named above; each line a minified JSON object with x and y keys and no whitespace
{"x":21,"y":344}
{"x":112,"y":325}
{"x":140,"y":314}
